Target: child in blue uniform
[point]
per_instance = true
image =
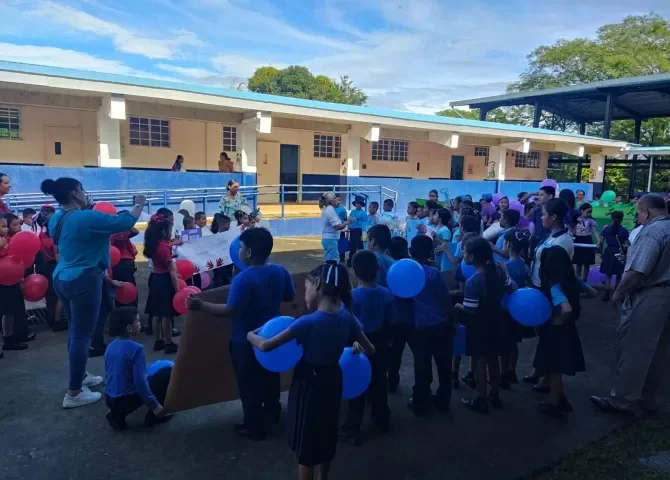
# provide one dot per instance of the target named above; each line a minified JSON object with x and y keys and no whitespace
{"x":509,"y":219}
{"x":379,"y":242}
{"x":412,"y":221}
{"x":255,"y":297}
{"x":401,"y":324}
{"x":374,"y":307}
{"x":357,"y":227}
{"x":432,"y":335}
{"x":442,"y":238}
{"x":486,"y":333}
{"x":342,"y":215}
{"x":516,"y":244}
{"x":126,"y":385}
{"x":614,"y":236}
{"x":559,"y":350}
{"x":316,"y":390}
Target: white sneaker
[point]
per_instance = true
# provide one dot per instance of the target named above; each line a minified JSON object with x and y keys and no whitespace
{"x":83,"y":398}
{"x":91,"y":380}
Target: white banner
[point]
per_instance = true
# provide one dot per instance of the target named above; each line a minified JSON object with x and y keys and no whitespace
{"x":209,"y":252}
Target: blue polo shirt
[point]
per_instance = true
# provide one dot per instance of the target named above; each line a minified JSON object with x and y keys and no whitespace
{"x":384,"y":262}
{"x":373,"y":307}
{"x":84,"y":240}
{"x":342,"y":213}
{"x":324,"y":335}
{"x":429,"y":311}
{"x":256,"y":295}
{"x":360,"y":218}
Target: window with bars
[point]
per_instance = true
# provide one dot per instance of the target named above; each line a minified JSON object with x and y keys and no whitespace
{"x":390,"y":150}
{"x":527,"y":160}
{"x":149,"y":132}
{"x":10,"y":123}
{"x":327,"y":146}
{"x":229,"y":139}
{"x":483,"y":152}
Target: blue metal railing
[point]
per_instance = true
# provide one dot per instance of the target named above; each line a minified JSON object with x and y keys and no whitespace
{"x":124,"y":199}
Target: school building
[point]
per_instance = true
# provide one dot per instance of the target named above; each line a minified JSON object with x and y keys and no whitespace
{"x":105,"y":129}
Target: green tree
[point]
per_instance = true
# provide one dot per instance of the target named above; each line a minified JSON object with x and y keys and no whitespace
{"x":639,"y":45}
{"x":454,"y":112}
{"x":298,"y":82}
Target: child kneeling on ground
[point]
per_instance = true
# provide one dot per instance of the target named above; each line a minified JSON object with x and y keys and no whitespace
{"x":126,"y":384}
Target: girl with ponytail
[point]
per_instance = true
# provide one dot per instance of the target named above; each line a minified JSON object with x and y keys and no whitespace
{"x":316,"y":390}
{"x":487,"y":335}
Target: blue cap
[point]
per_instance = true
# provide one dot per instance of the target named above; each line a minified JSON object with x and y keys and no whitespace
{"x":487,"y":197}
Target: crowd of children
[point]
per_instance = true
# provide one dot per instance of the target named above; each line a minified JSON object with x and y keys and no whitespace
{"x":505,"y":249}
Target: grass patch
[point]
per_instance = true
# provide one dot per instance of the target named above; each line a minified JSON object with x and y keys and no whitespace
{"x":617,"y":455}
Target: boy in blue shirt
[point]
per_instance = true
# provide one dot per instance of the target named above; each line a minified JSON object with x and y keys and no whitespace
{"x":432,"y":337}
{"x":255,"y":297}
{"x":412,"y":221}
{"x":357,"y":228}
{"x":379,"y":241}
{"x":126,"y":384}
{"x":374,"y":307}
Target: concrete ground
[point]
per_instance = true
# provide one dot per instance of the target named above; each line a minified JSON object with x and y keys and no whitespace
{"x":40,"y":440}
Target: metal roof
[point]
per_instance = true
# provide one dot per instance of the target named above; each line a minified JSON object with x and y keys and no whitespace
{"x":660,"y":150}
{"x":375,"y":115}
{"x":634,"y":97}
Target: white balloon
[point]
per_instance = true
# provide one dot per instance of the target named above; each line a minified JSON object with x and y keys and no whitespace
{"x":189,"y":206}
{"x":263,"y":224}
{"x":246,"y":209}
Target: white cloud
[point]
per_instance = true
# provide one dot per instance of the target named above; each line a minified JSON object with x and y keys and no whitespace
{"x":241,"y":66}
{"x":197,"y":73}
{"x":58,"y":57}
{"x":124,"y":40}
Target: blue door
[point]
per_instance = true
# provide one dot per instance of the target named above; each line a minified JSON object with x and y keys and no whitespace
{"x":288,"y":170}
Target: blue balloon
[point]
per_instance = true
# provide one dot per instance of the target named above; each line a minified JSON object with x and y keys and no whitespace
{"x":235,"y":254}
{"x":356,"y":373}
{"x":459,"y":342}
{"x":406,"y":278}
{"x":159,"y":365}
{"x":281,"y":358}
{"x":529,"y":307}
{"x":467,"y":270}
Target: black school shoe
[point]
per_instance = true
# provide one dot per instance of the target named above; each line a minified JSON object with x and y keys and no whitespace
{"x":455,"y":383}
{"x":440,"y":404}
{"x":352,"y":438}
{"x":176,"y":332}
{"x":8,"y":343}
{"x":565,"y":406}
{"x":30,"y":335}
{"x":245,"y":432}
{"x":114,"y":423}
{"x":479,"y":405}
{"x":148,"y":329}
{"x":495,"y":401}
{"x":504,"y":382}
{"x":159,"y":345}
{"x":151,"y":420}
{"x":97,"y":351}
{"x":550,"y":410}
{"x":415,"y":409}
{"x":170,"y":348}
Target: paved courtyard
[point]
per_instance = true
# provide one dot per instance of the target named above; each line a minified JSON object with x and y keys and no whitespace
{"x":40,"y":440}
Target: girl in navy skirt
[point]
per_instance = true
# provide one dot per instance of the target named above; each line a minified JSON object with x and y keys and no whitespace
{"x":11,"y":299}
{"x":615,"y":236}
{"x":163,"y":283}
{"x":559,"y":350}
{"x":487,"y":336}
{"x":316,"y":390}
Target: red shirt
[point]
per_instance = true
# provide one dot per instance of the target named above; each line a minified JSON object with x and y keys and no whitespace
{"x":125,"y":246}
{"x":162,"y":257}
{"x":48,"y":247}
{"x":4,"y":208}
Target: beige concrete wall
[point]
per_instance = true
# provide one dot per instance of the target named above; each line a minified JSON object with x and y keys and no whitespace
{"x":199,"y":142}
{"x":31,"y":149}
{"x":309,"y":164}
{"x":513,"y":173}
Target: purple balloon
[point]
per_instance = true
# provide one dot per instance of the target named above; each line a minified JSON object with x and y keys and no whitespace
{"x":596,"y":277}
{"x":550,"y":183}
{"x":516,"y":205}
{"x":496,"y":199}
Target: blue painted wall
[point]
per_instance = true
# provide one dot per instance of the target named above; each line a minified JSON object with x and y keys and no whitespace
{"x":410,"y":189}
{"x":320,"y":179}
{"x":27,"y":178}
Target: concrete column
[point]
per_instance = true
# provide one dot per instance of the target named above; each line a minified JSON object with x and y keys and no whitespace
{"x":354,"y":156}
{"x":597,"y":168}
{"x":247,"y":147}
{"x":109,"y":116}
{"x":497,"y":160}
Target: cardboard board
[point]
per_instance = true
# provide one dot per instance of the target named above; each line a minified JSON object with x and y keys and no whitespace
{"x":203,"y":373}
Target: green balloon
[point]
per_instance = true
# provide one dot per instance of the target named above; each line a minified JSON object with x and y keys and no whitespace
{"x":608,"y":196}
{"x":595,"y":203}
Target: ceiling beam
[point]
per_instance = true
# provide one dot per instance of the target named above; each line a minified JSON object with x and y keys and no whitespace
{"x":555,"y":109}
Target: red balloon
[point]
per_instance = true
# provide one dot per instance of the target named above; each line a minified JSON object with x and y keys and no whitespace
{"x":192,"y":289}
{"x":114,"y":256}
{"x":11,"y":271}
{"x":179,"y":301}
{"x":126,"y":294}
{"x":185,"y":268}
{"x":35,"y":287}
{"x":181,"y":283}
{"x":27,"y":260}
{"x":105,"y":207}
{"x":24,"y":245}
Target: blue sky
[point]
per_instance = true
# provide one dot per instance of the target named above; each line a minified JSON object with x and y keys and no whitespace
{"x":407,"y":54}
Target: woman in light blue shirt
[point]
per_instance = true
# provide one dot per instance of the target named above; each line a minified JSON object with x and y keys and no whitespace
{"x":82,"y":237}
